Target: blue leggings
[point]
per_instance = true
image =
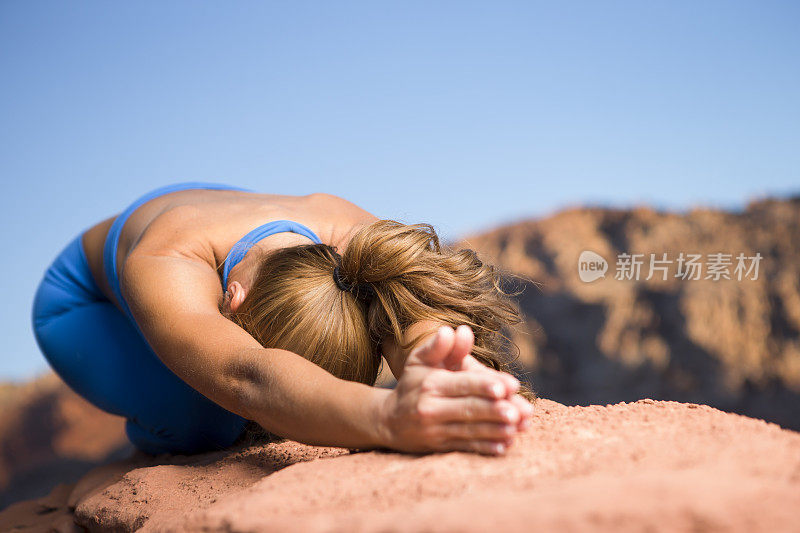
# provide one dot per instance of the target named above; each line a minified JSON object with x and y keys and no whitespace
{"x":102,"y":355}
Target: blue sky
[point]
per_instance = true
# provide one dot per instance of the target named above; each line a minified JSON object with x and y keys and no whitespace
{"x":466,"y":115}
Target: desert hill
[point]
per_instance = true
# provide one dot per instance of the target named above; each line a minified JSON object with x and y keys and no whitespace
{"x":727,"y":343}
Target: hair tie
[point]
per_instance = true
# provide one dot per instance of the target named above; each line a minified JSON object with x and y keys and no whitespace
{"x":342,"y":284}
{"x":362,"y":291}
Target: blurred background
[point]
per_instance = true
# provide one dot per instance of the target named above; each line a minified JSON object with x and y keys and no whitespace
{"x":530,"y":131}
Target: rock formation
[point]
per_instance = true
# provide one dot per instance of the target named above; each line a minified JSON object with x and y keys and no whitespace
{"x":654,"y":466}
{"x":731,"y":344}
{"x":50,"y":435}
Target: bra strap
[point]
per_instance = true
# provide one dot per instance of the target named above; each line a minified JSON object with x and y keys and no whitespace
{"x":243,"y":245}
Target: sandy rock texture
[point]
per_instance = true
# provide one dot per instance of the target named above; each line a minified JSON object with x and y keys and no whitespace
{"x":644,"y":466}
{"x":731,"y":344}
{"x":50,"y":435}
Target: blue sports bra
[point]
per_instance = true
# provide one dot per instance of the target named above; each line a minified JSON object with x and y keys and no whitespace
{"x":235,"y":255}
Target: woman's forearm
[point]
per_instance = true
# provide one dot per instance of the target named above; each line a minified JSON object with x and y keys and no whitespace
{"x":431,"y":409}
{"x":291,"y":397}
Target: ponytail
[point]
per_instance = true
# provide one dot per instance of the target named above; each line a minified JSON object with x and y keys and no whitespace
{"x":416,"y":278}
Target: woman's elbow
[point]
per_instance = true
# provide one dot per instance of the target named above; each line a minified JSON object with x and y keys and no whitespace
{"x":245,"y":385}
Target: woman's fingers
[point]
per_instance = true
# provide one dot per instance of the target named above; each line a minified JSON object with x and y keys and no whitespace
{"x":465,"y":383}
{"x":469,"y":409}
{"x":446,"y":348}
{"x":479,"y":431}
{"x":512,"y":383}
{"x":475,"y":446}
{"x":436,"y":349}
{"x":525,"y":410}
{"x":464,"y":340}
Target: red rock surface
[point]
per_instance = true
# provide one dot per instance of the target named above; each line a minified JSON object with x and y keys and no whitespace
{"x":50,"y":435}
{"x":654,"y":466}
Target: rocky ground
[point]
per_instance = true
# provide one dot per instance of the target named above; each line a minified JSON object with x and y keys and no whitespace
{"x":49,"y":435}
{"x":644,"y":466}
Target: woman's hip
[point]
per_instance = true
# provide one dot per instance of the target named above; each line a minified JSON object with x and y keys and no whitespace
{"x":67,"y":283}
{"x":102,"y":355}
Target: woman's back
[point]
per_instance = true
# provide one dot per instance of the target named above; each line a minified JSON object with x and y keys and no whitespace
{"x":205,"y":224}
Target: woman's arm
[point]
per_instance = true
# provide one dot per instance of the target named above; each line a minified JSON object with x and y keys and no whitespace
{"x":175,"y":302}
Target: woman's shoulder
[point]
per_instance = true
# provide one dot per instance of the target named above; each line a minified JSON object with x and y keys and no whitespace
{"x":347,"y":210}
{"x":342,"y":217}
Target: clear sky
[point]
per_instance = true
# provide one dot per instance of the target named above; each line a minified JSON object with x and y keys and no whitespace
{"x":462,"y":114}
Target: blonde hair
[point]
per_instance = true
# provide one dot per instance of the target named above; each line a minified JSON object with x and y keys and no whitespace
{"x":295,"y":303}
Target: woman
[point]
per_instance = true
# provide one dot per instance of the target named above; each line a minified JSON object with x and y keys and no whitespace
{"x":167,"y":316}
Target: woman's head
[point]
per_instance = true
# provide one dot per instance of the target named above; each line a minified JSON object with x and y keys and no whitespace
{"x":295,"y":302}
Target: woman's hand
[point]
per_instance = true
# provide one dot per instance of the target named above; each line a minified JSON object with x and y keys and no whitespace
{"x":470,"y":363}
{"x":444,"y":402}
